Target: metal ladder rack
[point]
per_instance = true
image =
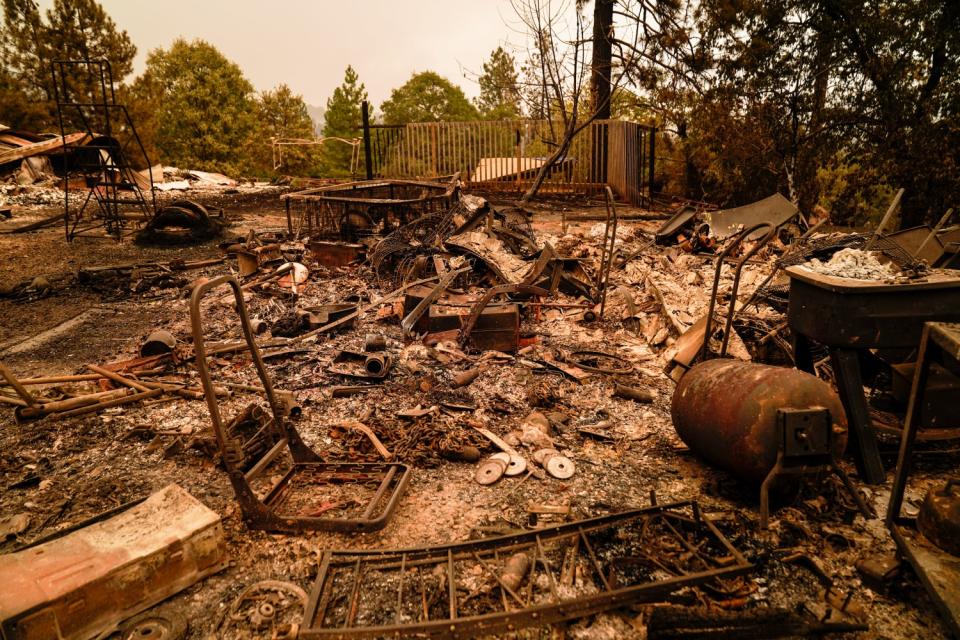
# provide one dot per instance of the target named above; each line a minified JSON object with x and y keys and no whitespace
{"x":112,"y":141}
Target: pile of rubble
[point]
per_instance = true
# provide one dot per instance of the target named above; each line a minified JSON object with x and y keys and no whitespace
{"x":32,"y":168}
{"x":474,"y":372}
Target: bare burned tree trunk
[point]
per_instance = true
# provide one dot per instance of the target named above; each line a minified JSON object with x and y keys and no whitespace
{"x":568,"y":72}
{"x":809,"y":156}
{"x":602,"y":57}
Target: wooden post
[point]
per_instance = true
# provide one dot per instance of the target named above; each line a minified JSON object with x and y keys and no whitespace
{"x":519,"y":166}
{"x":433,"y":139}
{"x":367,"y":154}
{"x":653,"y":160}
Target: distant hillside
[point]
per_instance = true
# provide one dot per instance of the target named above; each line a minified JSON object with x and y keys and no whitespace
{"x":317,"y":114}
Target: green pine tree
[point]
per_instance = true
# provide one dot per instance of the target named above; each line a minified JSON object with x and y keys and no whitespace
{"x":281,"y":113}
{"x":499,"y":97}
{"x":342,"y":119}
{"x":73,"y":30}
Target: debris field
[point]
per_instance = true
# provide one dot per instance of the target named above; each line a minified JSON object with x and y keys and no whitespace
{"x":471,"y":419}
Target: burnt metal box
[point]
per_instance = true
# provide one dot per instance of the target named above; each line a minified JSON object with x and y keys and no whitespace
{"x":82,"y":584}
{"x":336,"y":254}
{"x":939,"y":410}
{"x":497,"y":328}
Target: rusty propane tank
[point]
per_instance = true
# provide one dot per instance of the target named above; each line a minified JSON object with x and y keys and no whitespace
{"x":726,"y":412}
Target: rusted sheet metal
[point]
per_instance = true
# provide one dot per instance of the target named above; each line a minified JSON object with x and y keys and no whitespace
{"x":920,"y":242}
{"x":939,"y":410}
{"x":726,"y":412}
{"x":84,"y":583}
{"x":42,"y":148}
{"x":669,"y":229}
{"x":775,"y":210}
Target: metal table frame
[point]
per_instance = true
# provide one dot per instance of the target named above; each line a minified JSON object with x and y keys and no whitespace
{"x":938,"y":570}
{"x":849,"y":315}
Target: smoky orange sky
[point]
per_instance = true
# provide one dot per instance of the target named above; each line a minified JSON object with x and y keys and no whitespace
{"x":307,"y":45}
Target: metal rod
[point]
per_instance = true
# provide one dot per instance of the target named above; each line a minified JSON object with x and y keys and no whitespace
{"x":13,"y":382}
{"x":106,"y":404}
{"x":934,"y":232}
{"x":546,"y":567}
{"x":886,"y":219}
{"x":354,"y":593}
{"x":451,"y":585}
{"x":403,"y":571}
{"x":593,"y":558}
{"x":127,"y":382}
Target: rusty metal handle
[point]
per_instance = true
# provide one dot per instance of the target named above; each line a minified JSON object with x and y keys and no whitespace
{"x":196,"y":323}
{"x":736,"y":242}
{"x":606,"y":257}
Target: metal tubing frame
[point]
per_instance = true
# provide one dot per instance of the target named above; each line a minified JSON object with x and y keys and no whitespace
{"x":737,"y":241}
{"x":257,"y":511}
{"x":938,"y":570}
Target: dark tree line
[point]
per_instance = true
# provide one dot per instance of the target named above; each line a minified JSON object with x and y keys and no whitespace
{"x":832,"y":102}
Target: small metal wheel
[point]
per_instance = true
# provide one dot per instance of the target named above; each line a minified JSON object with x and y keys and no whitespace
{"x":160,"y":624}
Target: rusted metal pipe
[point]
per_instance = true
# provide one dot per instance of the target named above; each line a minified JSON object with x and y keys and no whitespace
{"x":47,"y":408}
{"x":13,"y":382}
{"x":464,"y":378}
{"x":375,"y":342}
{"x":115,"y":377}
{"x":14,"y":401}
{"x":606,"y":257}
{"x":377,"y":364}
{"x":346,"y":391}
{"x":726,"y":412}
{"x":633,"y":393}
{"x":106,"y":404}
{"x":81,"y":377}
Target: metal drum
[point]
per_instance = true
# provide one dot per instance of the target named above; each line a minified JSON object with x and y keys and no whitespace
{"x":726,"y":412}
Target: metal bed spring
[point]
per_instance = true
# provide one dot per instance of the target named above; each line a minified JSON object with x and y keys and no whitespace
{"x":463,"y":590}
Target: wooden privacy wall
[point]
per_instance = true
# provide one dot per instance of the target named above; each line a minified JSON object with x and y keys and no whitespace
{"x":505,"y":155}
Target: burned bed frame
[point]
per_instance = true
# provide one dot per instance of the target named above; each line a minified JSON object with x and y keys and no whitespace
{"x":574,"y":569}
{"x":275,"y":436}
{"x":353,"y":209}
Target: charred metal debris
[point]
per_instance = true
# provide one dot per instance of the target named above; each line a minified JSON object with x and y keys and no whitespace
{"x":399,"y":330}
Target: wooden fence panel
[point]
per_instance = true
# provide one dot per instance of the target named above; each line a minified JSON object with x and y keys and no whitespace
{"x":504,"y":155}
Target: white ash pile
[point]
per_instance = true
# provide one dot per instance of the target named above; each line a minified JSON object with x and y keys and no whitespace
{"x":855,"y":263}
{"x":36,"y":195}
